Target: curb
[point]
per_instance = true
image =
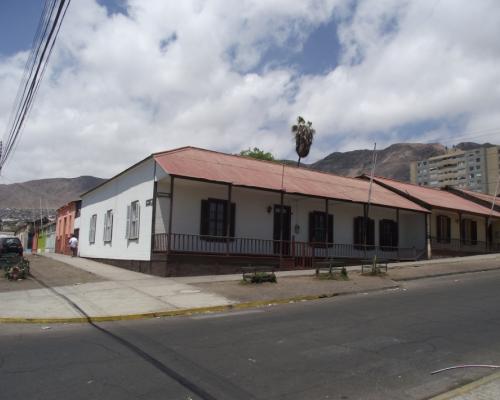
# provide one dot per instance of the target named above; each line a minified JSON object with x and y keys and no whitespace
{"x":467,"y":388}
{"x":185,"y":311}
{"x":443,"y":274}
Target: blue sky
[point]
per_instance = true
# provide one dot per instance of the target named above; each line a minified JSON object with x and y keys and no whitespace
{"x":141,"y":76}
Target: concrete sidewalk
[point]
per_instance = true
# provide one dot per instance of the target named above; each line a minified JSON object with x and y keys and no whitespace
{"x":119,"y":292}
{"x":104,"y":291}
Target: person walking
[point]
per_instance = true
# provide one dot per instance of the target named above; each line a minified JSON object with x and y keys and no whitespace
{"x":73,"y":245}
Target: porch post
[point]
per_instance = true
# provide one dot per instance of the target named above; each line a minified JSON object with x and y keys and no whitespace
{"x":397,"y":230}
{"x":428,"y":237}
{"x":228,"y":216}
{"x":282,"y":195}
{"x":460,"y":230}
{"x":326,"y":227}
{"x":170,"y":213}
{"x":486,"y":242}
{"x":365,"y":227}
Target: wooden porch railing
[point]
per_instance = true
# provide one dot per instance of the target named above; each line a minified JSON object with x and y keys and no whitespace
{"x":187,"y":243}
{"x":465,"y":246}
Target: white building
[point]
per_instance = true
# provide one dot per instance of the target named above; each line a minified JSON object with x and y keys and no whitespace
{"x":169,"y":215}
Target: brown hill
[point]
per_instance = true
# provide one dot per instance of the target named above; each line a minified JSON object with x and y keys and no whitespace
{"x":392,"y":162}
{"x":52,"y":193}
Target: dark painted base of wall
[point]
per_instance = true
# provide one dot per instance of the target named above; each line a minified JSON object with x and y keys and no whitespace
{"x":195,"y":265}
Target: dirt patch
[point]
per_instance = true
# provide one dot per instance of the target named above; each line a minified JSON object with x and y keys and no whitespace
{"x":287,"y":287}
{"x":53,"y":273}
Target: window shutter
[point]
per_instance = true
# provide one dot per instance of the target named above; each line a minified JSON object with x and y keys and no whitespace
{"x":233,"y":220}
{"x":204,"y":217}
{"x":395,"y":234}
{"x":473,"y":232}
{"x":311,"y":227}
{"x":330,"y":228}
{"x":439,"y":231}
{"x":448,"y":228}
{"x":90,"y":229}
{"x":110,"y":238}
{"x":127,"y":230}
{"x":138,"y":219}
{"x":105,"y":226}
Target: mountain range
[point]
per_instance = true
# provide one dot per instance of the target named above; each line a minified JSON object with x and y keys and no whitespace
{"x":392,"y":162}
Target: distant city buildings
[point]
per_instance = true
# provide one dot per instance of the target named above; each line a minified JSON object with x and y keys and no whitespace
{"x":475,"y":169}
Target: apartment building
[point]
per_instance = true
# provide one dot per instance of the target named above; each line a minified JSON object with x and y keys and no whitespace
{"x":475,"y":169}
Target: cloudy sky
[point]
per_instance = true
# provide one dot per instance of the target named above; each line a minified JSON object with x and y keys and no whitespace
{"x":132,"y":77}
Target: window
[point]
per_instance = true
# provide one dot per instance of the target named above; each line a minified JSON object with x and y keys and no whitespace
{"x":108,"y":226}
{"x":443,"y":224}
{"x":133,"y":220}
{"x":469,"y":231}
{"x":214,"y":219}
{"x":93,"y":223}
{"x":317,"y":227}
{"x":388,"y":231}
{"x":359,"y":229}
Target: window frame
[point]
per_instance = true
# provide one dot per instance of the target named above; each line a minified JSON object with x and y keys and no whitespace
{"x":92,"y":228}
{"x":314,"y":231}
{"x":133,"y":220}
{"x":443,"y":221}
{"x":388,"y":239}
{"x":358,"y":232}
{"x":108,"y":227}
{"x":209,"y":224}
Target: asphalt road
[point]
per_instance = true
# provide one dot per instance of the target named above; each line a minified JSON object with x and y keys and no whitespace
{"x":369,"y":346}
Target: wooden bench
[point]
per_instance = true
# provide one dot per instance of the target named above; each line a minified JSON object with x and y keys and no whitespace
{"x":331,"y":265}
{"x":379,"y":263}
{"x":252,"y":271}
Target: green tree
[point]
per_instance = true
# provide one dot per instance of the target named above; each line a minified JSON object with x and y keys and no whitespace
{"x":303,"y":134}
{"x":258,"y":154}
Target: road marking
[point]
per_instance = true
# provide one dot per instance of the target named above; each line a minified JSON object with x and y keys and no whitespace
{"x":227,"y":314}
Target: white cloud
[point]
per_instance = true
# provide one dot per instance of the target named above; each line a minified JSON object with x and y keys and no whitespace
{"x":176,"y":73}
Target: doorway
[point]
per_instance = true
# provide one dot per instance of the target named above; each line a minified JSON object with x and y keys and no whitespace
{"x":287,"y":217}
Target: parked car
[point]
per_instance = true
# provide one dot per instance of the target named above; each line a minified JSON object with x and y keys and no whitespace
{"x":10,"y":244}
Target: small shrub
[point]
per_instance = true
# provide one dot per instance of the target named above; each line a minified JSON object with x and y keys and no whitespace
{"x":261,"y":277}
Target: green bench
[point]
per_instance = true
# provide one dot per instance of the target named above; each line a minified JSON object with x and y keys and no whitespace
{"x":250,"y":272}
{"x":330,"y":265}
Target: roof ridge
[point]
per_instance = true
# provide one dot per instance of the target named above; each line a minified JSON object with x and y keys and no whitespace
{"x":277,"y":162}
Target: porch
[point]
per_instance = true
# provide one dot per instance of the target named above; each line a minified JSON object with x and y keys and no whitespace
{"x":286,"y":253}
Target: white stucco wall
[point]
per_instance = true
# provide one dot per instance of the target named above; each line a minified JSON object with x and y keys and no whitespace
{"x":254,"y":221}
{"x":116,"y":195}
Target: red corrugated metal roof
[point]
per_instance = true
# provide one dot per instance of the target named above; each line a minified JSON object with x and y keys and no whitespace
{"x":437,"y":198}
{"x":481,"y":196}
{"x":191,"y":162}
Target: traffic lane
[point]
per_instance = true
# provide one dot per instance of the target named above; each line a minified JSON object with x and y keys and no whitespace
{"x":378,"y":345}
{"x":76,"y":362}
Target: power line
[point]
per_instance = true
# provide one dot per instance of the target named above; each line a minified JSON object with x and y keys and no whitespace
{"x":48,"y":29}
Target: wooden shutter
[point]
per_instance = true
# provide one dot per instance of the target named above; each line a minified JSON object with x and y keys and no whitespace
{"x":311,"y":226}
{"x":204,"y":217}
{"x":473,"y":232}
{"x":439,"y":231}
{"x":395,"y":234}
{"x":110,"y":223}
{"x":330,"y":228}
{"x":127,"y":229}
{"x":448,"y":229}
{"x":233,"y":215}
{"x":138,"y":220}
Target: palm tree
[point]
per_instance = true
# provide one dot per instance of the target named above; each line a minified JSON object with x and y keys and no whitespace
{"x":303,"y":134}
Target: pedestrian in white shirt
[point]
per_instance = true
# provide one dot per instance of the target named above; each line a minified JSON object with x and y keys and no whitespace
{"x":73,"y":245}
